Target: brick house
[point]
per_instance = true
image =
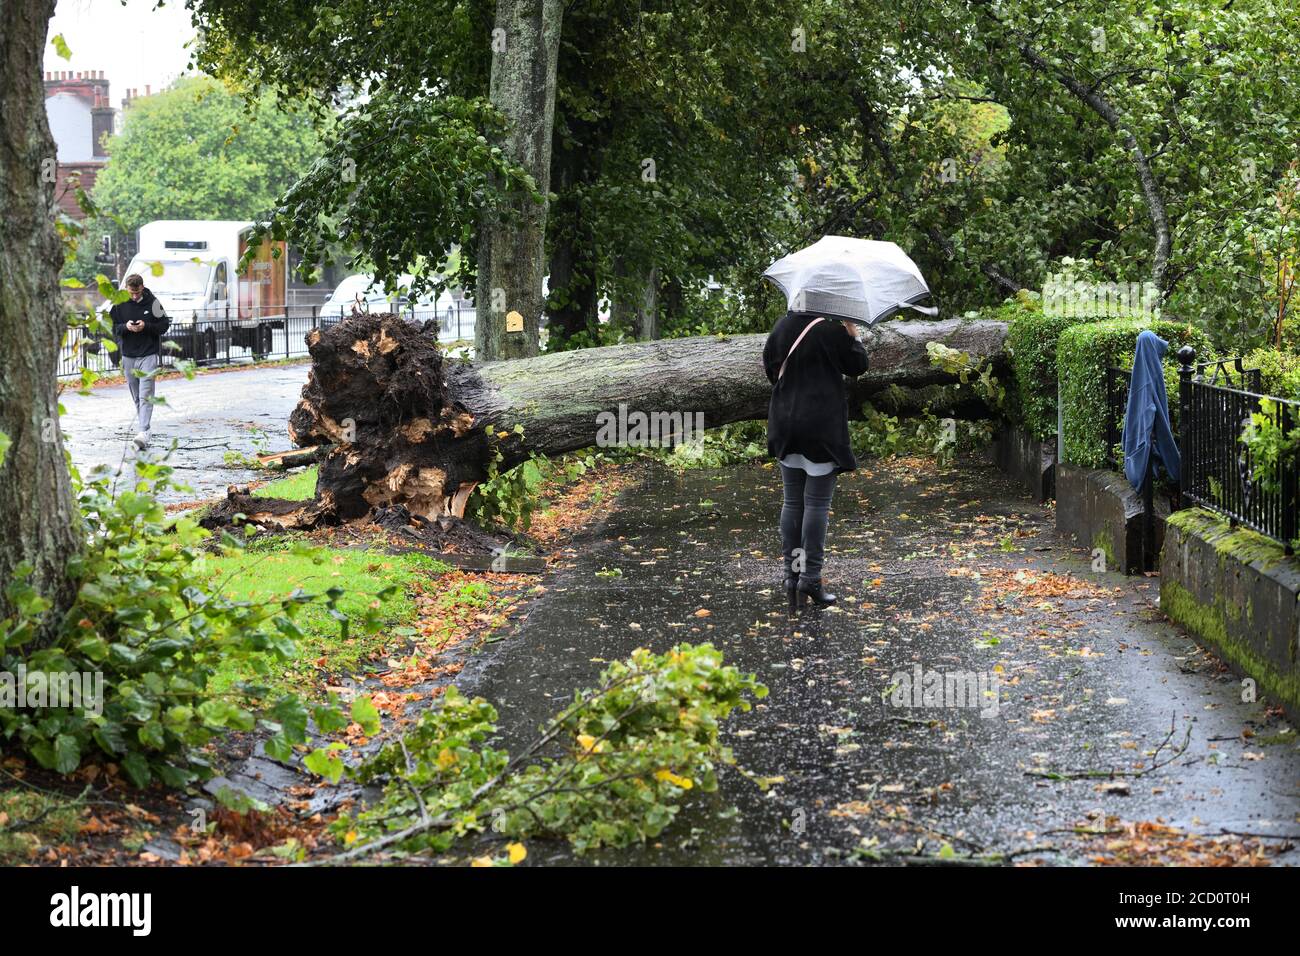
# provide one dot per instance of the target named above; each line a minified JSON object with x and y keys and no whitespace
{"x":81,"y":119}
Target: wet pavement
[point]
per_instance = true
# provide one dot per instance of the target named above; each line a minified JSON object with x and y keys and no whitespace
{"x":939,"y":570}
{"x":216,"y":419}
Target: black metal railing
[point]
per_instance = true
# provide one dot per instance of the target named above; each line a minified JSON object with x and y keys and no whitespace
{"x":214,"y":337}
{"x":1218,"y":468}
{"x":1218,"y":391}
{"x":1229,"y":371}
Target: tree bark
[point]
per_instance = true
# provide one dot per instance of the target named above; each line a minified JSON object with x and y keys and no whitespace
{"x":511,"y":255}
{"x":414,"y":430}
{"x":36,"y":508}
{"x":647,"y":313}
{"x":572,"y":306}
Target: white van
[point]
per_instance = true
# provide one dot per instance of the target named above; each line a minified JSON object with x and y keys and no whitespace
{"x":191,"y":266}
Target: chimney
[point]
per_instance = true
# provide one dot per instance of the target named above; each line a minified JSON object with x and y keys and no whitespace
{"x":101,"y":127}
{"x":146,"y":89}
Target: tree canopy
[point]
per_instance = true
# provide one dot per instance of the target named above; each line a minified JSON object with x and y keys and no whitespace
{"x":700,"y":140}
{"x":199,"y":151}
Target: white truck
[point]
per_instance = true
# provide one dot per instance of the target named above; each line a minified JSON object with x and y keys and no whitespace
{"x":191,"y":266}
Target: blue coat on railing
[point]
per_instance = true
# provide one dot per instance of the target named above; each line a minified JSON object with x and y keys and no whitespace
{"x":1146,"y":423}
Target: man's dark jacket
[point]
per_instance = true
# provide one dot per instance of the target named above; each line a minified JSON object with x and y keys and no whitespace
{"x":148,"y":310}
{"x":809,"y":411}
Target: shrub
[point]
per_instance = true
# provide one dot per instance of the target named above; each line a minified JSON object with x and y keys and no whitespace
{"x":1032,"y":341}
{"x":510,"y":496}
{"x":148,"y":623}
{"x":1279,"y":372}
{"x":1279,"y":376}
{"x":1084,"y":352}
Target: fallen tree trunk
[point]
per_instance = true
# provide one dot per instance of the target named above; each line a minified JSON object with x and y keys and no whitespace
{"x":408,"y":427}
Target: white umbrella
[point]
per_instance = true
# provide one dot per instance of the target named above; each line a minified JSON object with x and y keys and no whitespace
{"x":861,"y":280}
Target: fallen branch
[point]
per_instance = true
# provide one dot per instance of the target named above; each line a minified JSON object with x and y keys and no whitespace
{"x":1111,"y":774}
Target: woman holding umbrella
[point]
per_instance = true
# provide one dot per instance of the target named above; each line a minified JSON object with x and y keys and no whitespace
{"x":806,"y":357}
{"x":808,"y":433}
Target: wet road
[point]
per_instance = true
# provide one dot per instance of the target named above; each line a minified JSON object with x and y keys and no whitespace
{"x":239,"y":412}
{"x":947,"y":571}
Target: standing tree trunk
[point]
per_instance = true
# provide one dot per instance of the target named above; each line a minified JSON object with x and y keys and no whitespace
{"x":36,"y":507}
{"x":571,"y":308}
{"x":634,"y":308}
{"x":647,"y":313}
{"x":525,"y":46}
{"x":1151,"y":192}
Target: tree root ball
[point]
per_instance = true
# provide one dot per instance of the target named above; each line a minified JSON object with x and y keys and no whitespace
{"x":377,"y":392}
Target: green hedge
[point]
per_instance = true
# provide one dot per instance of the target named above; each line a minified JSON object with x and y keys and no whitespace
{"x":1084,"y":352}
{"x":1031,"y":341}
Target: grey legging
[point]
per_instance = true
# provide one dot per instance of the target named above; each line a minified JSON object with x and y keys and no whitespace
{"x":804,"y":516}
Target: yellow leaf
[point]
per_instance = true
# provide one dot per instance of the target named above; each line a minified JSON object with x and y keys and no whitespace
{"x":589,"y":744}
{"x":350,"y":837}
{"x":446,"y":758}
{"x":669,"y":777}
{"x":517,"y":852}
{"x":481,"y":861}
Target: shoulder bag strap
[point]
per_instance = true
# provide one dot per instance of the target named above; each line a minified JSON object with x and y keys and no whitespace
{"x":796,"y":345}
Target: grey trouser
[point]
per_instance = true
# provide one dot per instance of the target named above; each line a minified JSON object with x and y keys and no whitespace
{"x":141,"y":388}
{"x":805,"y":512}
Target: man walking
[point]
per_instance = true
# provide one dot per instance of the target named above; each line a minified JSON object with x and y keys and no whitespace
{"x":138,"y":325}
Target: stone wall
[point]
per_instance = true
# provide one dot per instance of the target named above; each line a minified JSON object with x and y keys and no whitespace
{"x":1028,"y":460}
{"x":1103,"y":513}
{"x":1239,"y":593}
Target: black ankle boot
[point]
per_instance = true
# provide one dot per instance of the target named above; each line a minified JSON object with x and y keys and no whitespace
{"x":791,"y":584}
{"x":792,"y":590}
{"x":812,"y":587}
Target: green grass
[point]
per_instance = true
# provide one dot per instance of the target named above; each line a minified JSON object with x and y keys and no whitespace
{"x":33,"y":820}
{"x":299,"y":487}
{"x":274,"y":570}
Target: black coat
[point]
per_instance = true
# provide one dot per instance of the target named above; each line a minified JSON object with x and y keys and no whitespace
{"x":809,"y":411}
{"x":148,"y":341}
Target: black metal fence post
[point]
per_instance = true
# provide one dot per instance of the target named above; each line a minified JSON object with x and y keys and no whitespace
{"x":1186,"y":426}
{"x":1286,"y":476}
{"x":1110,"y":414}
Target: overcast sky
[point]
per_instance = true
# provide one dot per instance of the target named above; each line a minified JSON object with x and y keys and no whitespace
{"x":132,"y":42}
